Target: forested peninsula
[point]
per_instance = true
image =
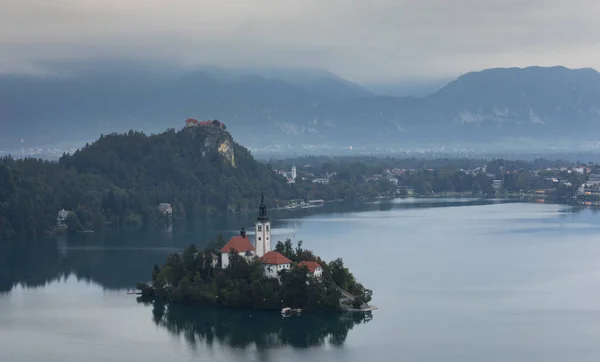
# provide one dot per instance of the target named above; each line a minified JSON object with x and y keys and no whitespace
{"x":120,"y":180}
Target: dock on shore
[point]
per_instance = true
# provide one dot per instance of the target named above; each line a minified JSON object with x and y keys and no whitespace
{"x":347,"y":297}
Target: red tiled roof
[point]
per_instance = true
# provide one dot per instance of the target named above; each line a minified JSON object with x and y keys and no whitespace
{"x":274,"y":258}
{"x":206,"y":123}
{"x":238,"y":243}
{"x":311,"y":265}
{"x":191,"y":120}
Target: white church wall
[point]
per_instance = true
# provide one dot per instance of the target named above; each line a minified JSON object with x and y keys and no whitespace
{"x":225,"y":258}
{"x":272,"y":271}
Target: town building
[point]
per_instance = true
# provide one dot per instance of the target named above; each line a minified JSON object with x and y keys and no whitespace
{"x":165,"y":208}
{"x":190,"y":122}
{"x":61,"y":219}
{"x":497,"y":184}
{"x":581,"y":169}
{"x":289,"y":176}
{"x":323,"y":181}
{"x":595,"y":178}
{"x":240,"y":244}
{"x":315,"y":269}
{"x":273,"y":262}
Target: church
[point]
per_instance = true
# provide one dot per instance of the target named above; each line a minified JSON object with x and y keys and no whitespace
{"x":289,"y":176}
{"x":272,"y":261}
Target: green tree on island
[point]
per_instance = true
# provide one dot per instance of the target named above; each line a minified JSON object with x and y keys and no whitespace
{"x":190,"y":278}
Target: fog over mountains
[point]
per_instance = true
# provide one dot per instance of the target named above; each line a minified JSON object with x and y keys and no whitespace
{"x":268,"y":107}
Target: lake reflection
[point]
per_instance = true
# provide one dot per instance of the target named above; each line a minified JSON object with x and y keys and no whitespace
{"x":263,"y":330}
{"x":119,"y":260}
{"x":456,"y":280}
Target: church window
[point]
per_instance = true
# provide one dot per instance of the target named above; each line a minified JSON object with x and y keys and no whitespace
{"x":259,"y":238}
{"x":267,"y":228}
{"x":260,"y":228}
{"x":267,"y":238}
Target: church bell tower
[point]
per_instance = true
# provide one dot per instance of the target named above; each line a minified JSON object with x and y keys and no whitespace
{"x":262,"y":229}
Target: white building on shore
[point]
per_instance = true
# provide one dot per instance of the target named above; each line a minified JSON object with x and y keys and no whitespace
{"x":314,"y":269}
{"x":290,"y":176}
{"x":241,"y":244}
{"x":61,"y":219}
{"x":273,"y":262}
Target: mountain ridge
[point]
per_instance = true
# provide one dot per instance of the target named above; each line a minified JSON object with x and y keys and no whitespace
{"x":294,"y":108}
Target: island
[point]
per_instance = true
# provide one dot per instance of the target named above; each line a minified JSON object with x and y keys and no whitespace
{"x":243,"y":275}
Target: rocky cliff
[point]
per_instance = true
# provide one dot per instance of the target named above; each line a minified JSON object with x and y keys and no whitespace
{"x":213,"y":138}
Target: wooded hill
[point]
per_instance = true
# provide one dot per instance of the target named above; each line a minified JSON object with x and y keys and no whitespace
{"x":120,"y":180}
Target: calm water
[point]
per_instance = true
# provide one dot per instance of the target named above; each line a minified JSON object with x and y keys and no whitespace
{"x":455,"y":280}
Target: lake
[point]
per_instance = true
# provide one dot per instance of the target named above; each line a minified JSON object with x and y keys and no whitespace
{"x":454,"y":280}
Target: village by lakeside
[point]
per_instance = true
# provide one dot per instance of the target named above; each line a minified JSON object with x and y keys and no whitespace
{"x":138,"y":181}
{"x":535,"y":196}
{"x":245,"y":275}
{"x":369,"y":178}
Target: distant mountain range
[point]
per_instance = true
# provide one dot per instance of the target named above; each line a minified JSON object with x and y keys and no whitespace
{"x":264,"y":107}
{"x":407,"y":87}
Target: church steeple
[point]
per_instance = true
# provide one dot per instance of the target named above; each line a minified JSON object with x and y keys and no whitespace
{"x":262,"y":229}
{"x":262,"y":210}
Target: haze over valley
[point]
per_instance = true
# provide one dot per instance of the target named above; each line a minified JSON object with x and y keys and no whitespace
{"x":286,"y":111}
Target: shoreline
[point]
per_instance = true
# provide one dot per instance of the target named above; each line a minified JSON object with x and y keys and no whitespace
{"x":146,"y":300}
{"x":511,"y":197}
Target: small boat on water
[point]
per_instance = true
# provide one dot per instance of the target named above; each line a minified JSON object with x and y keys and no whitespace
{"x":288,"y":312}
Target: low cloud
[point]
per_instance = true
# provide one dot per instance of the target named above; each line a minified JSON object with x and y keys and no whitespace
{"x":360,"y":40}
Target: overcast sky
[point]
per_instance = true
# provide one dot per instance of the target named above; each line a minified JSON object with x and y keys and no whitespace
{"x":362,"y":40}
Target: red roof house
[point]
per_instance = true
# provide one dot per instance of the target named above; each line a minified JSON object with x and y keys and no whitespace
{"x":274,"y":258}
{"x":313,"y":267}
{"x":273,"y":262}
{"x":190,"y":122}
{"x":240,"y":243}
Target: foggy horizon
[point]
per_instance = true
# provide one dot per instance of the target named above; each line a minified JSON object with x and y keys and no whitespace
{"x":363,"y":42}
